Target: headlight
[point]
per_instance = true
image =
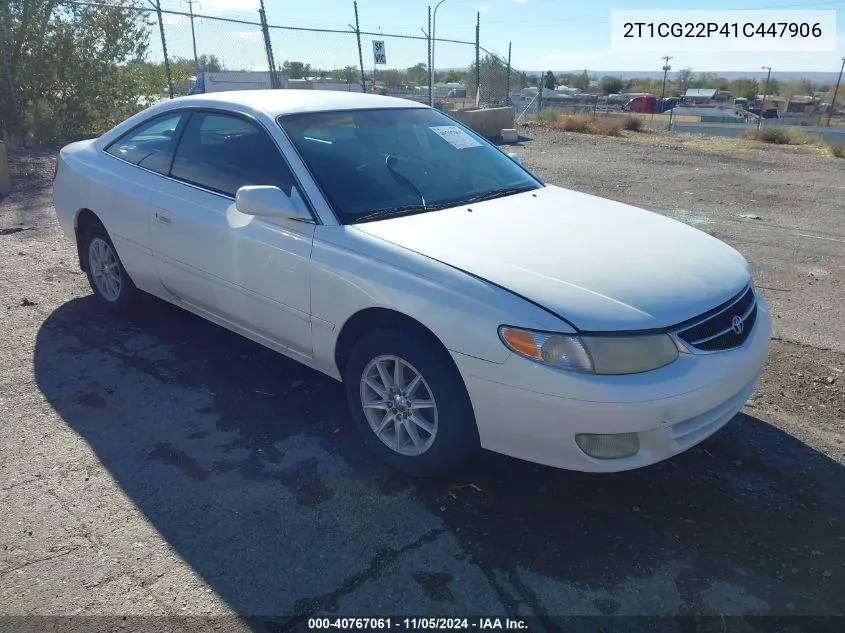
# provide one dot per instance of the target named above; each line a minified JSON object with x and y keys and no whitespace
{"x":592,"y":354}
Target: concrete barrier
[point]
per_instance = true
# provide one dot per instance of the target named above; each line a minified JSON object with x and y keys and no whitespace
{"x":5,"y":180}
{"x":488,"y":122}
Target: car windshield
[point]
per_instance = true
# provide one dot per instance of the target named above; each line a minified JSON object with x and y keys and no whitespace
{"x":379,"y":163}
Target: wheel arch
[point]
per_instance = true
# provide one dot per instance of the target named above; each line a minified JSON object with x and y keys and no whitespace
{"x":84,"y":219}
{"x":372,"y":319}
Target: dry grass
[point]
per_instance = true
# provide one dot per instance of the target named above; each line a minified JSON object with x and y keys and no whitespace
{"x":546,"y":116}
{"x":836,"y":149}
{"x":787,"y":138}
{"x":606,"y":127}
{"x":632,"y":123}
{"x":795,"y":136}
{"x":581,"y":124}
{"x":574,"y":123}
{"x":782,"y":136}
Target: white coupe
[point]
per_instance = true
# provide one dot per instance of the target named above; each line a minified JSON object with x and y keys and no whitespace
{"x":464,"y":303}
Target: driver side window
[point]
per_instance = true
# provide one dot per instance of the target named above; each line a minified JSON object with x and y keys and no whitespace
{"x":223,"y":153}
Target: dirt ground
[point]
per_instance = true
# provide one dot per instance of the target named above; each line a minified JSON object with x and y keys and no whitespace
{"x":161,"y":466}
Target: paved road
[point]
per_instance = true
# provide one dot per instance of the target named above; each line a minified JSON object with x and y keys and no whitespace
{"x":161,"y":465}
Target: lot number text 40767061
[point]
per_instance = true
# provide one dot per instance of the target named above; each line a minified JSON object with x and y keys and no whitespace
{"x":418,"y":624}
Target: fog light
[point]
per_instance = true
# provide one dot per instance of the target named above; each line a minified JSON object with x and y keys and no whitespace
{"x":615,"y":446}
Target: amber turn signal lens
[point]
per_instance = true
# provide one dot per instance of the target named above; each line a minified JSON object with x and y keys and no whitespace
{"x":521,"y":341}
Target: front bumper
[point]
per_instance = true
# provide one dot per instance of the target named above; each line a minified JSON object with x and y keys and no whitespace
{"x":534,"y":412}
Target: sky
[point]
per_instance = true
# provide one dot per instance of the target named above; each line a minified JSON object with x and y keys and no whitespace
{"x":544,"y":34}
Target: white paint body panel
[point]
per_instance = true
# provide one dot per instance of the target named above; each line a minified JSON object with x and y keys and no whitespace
{"x":601,"y":264}
{"x":551,"y":260}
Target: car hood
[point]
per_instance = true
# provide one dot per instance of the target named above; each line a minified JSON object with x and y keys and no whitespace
{"x":599,"y":264}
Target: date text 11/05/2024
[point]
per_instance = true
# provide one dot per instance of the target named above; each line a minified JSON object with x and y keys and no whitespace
{"x":417,"y":624}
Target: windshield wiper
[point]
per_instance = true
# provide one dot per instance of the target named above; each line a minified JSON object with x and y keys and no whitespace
{"x":498,"y":193}
{"x":408,"y":209}
{"x":391,"y":161}
{"x":383,"y":214}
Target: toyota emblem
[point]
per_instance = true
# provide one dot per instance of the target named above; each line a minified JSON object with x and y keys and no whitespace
{"x":737,"y":324}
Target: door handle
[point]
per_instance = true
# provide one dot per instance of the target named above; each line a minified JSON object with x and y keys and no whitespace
{"x":162,"y":218}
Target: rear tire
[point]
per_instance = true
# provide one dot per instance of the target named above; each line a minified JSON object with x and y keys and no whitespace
{"x":113,"y":289}
{"x":418,"y":417}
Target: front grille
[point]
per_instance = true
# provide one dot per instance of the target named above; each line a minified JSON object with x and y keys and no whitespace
{"x":716,"y":332}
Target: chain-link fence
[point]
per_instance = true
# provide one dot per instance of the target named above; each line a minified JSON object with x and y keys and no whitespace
{"x":73,"y":68}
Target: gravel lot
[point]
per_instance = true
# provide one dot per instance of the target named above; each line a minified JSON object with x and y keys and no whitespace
{"x":163,"y":466}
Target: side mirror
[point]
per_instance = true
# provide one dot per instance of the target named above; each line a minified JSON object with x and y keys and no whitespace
{"x":515,"y":158}
{"x":271,"y":202}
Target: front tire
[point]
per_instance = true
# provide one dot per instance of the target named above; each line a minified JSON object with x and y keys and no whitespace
{"x":113,"y":289}
{"x":409,"y":403}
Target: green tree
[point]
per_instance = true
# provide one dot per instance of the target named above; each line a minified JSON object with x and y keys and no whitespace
{"x":800,"y":87}
{"x":452,"y":76}
{"x":493,"y":74}
{"x":582,"y":81}
{"x":349,"y":74}
{"x":74,"y":69}
{"x":549,"y":80}
{"x":418,"y":74}
{"x":392,"y":78}
{"x":611,"y":85}
{"x":296,"y":70}
{"x":745,"y":88}
{"x":209,"y":64}
{"x":683,"y":80}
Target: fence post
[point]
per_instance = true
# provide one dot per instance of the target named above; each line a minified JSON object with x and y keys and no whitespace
{"x":540,"y":93}
{"x":164,"y":49}
{"x":477,"y":59}
{"x":360,"y":53}
{"x":430,"y":69}
{"x":268,"y":47}
{"x":15,"y":133}
{"x":508,"y":84}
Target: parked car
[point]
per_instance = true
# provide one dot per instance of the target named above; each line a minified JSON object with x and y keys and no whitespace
{"x":641,"y":104}
{"x":768,"y":113}
{"x":463,"y":302}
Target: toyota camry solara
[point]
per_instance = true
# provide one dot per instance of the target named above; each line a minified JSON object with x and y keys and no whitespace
{"x":464,"y":303}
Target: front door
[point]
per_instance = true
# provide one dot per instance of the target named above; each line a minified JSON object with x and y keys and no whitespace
{"x":249,"y":271}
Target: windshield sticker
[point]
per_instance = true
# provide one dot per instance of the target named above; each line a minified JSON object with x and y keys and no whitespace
{"x":455,"y":136}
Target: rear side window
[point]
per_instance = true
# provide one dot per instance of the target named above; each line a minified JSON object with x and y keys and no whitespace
{"x":224,"y":153}
{"x":150,"y":145}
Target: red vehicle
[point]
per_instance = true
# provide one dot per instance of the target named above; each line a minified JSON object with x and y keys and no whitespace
{"x":641,"y":104}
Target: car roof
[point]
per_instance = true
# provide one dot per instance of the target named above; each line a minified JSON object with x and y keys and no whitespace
{"x":288,"y":101}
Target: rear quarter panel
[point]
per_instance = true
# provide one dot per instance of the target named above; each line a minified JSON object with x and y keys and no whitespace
{"x":118,"y":193}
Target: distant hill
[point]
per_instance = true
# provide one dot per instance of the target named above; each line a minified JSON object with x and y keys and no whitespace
{"x":787,"y":76}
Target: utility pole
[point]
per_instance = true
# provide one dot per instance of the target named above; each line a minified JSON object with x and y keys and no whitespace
{"x":765,"y":94}
{"x":666,"y":69}
{"x":191,"y":4}
{"x":835,"y":92}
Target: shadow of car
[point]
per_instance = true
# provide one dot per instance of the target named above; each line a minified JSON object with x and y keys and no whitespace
{"x":245,"y":464}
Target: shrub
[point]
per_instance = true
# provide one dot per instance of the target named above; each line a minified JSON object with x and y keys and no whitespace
{"x":782,"y":136}
{"x":575,"y":123}
{"x":837,"y":149}
{"x":632,"y":123}
{"x":546,"y":116}
{"x":606,"y":128}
